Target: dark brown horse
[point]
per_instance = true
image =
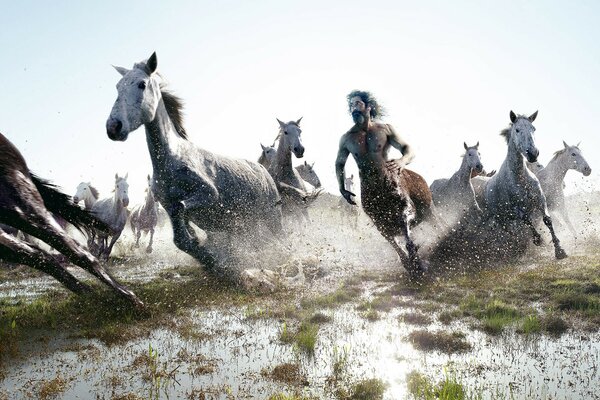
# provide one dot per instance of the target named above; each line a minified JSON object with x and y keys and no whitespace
{"x":26,"y":204}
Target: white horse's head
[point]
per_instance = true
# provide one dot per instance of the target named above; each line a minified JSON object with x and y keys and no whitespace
{"x":268,"y":154}
{"x":138,"y":98}
{"x":85,"y":191}
{"x":307,"y":172}
{"x":290,"y":135}
{"x":121,"y":190}
{"x":574,"y":159}
{"x":473,"y":158}
{"x":520,"y":133}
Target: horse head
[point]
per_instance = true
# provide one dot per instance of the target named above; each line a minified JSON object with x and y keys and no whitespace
{"x":138,"y":98}
{"x":268,"y":155}
{"x":290,"y":135}
{"x":473,"y":158}
{"x":122,"y":190}
{"x":520,"y":133}
{"x":309,"y":174}
{"x":575,"y":160}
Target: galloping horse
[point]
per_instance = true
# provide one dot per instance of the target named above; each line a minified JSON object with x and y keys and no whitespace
{"x":89,"y":195}
{"x":193,"y":185}
{"x":26,"y":202}
{"x":456,"y":196}
{"x":113,"y":212}
{"x":144,"y":217}
{"x":267,"y":155}
{"x":294,"y":196}
{"x":514,"y":193}
{"x":308,"y":174}
{"x":551,"y":179}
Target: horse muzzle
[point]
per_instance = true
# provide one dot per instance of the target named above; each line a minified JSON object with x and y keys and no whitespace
{"x":299,"y":151}
{"x":532,"y":156}
{"x":114,"y":129}
{"x":587,"y":171}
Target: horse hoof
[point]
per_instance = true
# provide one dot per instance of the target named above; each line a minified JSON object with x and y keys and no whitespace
{"x":560,"y":254}
{"x":149,"y":250}
{"x":537,"y":240}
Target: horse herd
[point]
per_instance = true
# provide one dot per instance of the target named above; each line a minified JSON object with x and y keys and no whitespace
{"x":222,"y":194}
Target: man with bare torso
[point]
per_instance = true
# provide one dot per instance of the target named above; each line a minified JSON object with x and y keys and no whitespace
{"x":384,"y":196}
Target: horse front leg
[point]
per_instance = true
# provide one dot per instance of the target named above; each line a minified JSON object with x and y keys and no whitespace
{"x":149,"y":248}
{"x":185,"y":238}
{"x":559,"y":253}
{"x":416,"y":267}
{"x":112,"y":243}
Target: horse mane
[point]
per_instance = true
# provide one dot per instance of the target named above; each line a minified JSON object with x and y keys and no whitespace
{"x":506,"y":131}
{"x":94,"y":191}
{"x":558,"y":153}
{"x":174,"y":106}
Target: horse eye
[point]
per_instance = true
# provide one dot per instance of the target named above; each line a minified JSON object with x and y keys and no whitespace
{"x":518,"y":131}
{"x":142,"y":85}
{"x":573,"y":154}
{"x":285,"y":132}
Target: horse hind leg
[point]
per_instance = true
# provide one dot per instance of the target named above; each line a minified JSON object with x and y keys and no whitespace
{"x":14,"y":250}
{"x":415,"y":266}
{"x":43,"y":228}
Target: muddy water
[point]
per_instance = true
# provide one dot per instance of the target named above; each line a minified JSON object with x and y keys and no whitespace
{"x":228,"y":352}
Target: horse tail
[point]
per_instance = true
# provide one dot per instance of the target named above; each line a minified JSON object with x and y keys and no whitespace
{"x":62,"y":205}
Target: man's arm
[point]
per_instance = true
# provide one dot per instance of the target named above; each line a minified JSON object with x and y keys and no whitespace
{"x":397,"y":142}
{"x":340,"y":163}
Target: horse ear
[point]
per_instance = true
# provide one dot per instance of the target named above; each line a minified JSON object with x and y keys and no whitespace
{"x":121,"y":70}
{"x":305,"y":163}
{"x":281,"y":124}
{"x":313,"y":164}
{"x":533,"y":116}
{"x":565,"y":144}
{"x":116,"y":176}
{"x":513,"y":117}
{"x":466,"y":147}
{"x":262,"y":147}
{"x":577,"y":145}
{"x":126,"y":175}
{"x":298,"y":122}
{"x":151,"y":64}
{"x":477,"y":145}
{"x":148,"y":176}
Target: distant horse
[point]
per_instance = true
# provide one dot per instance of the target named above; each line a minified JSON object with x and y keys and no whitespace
{"x":267,"y":155}
{"x":144,"y":217}
{"x":349,"y":211}
{"x":308,"y":174}
{"x":193,"y":185}
{"x":514,"y":193}
{"x":455,"y":195}
{"x":551,"y":179}
{"x":26,"y":202}
{"x":294,"y":196}
{"x":89,"y":195}
{"x":113,"y":212}
{"x":534,"y":167}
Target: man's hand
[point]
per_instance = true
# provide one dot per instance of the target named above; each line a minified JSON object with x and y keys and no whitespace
{"x":395,"y":165}
{"x":348,"y":196}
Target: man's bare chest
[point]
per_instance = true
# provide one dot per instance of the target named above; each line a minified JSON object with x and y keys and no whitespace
{"x":367,"y":142}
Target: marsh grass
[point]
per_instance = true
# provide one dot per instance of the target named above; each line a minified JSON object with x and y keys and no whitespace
{"x":422,"y":388}
{"x":106,"y":317}
{"x":367,"y":389}
{"x":448,"y":343}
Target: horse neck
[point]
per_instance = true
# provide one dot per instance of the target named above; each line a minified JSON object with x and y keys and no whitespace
{"x":514,"y":160}
{"x":89,"y":201}
{"x":117,"y":203}
{"x":149,"y":201}
{"x":464,"y":172}
{"x":161,"y":137}
{"x":283,"y":159}
{"x":556,"y":168}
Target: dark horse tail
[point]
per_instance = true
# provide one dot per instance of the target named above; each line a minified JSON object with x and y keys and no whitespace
{"x":61,"y":205}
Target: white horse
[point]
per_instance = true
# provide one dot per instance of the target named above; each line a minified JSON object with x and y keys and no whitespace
{"x":89,"y":195}
{"x":113,"y":212}
{"x":144,"y":217}
{"x":308,"y":174}
{"x":514,"y":193}
{"x":294,"y":196}
{"x":349,"y":211}
{"x":455,"y":196}
{"x":267,"y":155}
{"x":216,"y":193}
{"x":551,"y":179}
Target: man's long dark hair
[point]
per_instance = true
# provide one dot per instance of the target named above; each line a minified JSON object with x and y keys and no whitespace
{"x":377,"y":111}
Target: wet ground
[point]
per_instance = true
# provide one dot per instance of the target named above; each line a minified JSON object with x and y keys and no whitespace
{"x":242,"y":351}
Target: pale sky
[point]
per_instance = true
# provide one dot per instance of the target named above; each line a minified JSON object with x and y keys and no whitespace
{"x":447,"y":72}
